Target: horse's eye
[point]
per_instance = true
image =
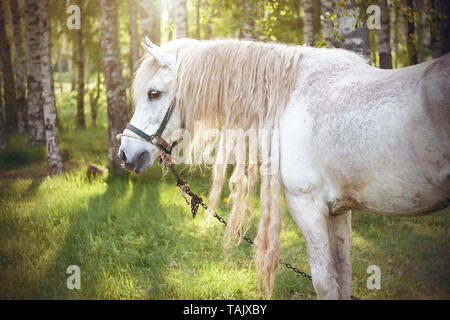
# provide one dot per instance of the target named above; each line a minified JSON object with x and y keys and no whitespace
{"x":153,"y":94}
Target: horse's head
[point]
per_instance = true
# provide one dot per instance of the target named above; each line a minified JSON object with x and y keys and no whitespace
{"x":152,"y":98}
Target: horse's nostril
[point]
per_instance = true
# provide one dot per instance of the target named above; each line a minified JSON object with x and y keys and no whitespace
{"x":143,"y":154}
{"x":122,"y":156}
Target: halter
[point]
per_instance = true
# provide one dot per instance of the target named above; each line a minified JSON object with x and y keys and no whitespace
{"x":156,"y":138}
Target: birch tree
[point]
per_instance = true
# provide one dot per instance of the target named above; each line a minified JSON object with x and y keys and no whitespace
{"x":180,"y":19}
{"x":34,"y":86}
{"x":20,"y":70}
{"x":80,"y":87}
{"x":134,"y":45}
{"x":308,"y":27}
{"x":144,"y":18}
{"x":384,"y":45}
{"x":156,"y":22}
{"x":8,"y":75}
{"x":3,"y":130}
{"x":115,"y":86}
{"x":328,"y":12}
{"x":353,"y":39}
{"x":49,"y":107}
{"x":410,"y":37}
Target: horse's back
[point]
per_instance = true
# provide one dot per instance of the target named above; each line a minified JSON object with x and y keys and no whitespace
{"x":379,"y":140}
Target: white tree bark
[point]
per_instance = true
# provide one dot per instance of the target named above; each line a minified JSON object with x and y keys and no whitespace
{"x":328,"y":10}
{"x":20,"y":66}
{"x":356,"y":40}
{"x":34,"y":99}
{"x":115,"y":85}
{"x":180,"y":19}
{"x":49,"y":107}
{"x":384,"y":45}
{"x":156,"y":22}
{"x":3,"y":131}
{"x":134,"y":45}
{"x":308,"y":28}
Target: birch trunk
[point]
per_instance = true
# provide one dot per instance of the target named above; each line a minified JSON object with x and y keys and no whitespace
{"x":384,"y":45}
{"x":11,"y":111}
{"x":144,"y":18}
{"x":170,"y":10}
{"x":156,"y":22}
{"x":208,"y":34}
{"x":72,"y":75}
{"x":197,"y":19}
{"x":134,"y":45}
{"x":180,"y":19}
{"x":411,"y":37}
{"x":115,"y":86}
{"x":80,"y":88}
{"x":445,"y":26}
{"x":308,"y":27}
{"x":49,"y":108}
{"x":328,"y":10}
{"x":356,"y":40}
{"x":20,"y":66}
{"x":434,"y":29}
{"x":3,"y":130}
{"x":33,"y":49}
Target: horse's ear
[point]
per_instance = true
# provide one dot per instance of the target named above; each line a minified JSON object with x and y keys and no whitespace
{"x":164,"y":59}
{"x":149,"y":43}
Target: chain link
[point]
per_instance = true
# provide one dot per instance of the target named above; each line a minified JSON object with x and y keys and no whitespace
{"x":196,"y":201}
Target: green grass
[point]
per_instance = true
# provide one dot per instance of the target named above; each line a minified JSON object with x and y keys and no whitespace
{"x":133,"y":236}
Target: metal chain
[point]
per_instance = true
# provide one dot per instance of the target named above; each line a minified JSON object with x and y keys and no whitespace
{"x":196,"y":201}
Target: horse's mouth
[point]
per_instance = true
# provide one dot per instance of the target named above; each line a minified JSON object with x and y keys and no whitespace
{"x":132,"y":167}
{"x":139,"y":165}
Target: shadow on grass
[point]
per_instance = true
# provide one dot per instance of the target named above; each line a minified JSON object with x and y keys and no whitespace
{"x":413,"y":254}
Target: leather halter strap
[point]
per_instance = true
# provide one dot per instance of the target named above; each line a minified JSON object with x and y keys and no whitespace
{"x":156,"y":138}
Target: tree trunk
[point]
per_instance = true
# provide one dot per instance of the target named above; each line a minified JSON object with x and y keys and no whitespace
{"x":411,"y":37}
{"x":356,"y":40}
{"x":170,"y":9}
{"x":60,"y":72}
{"x":51,"y":131}
{"x":11,"y":109}
{"x":115,"y":86}
{"x":156,"y":22}
{"x":208,"y":32}
{"x":445,"y":27}
{"x":144,"y":18}
{"x":72,"y":75}
{"x":20,"y":66}
{"x":80,"y":90}
{"x":197,"y":18}
{"x":180,"y":19}
{"x":247,"y":25}
{"x":3,"y":130}
{"x":328,"y":11}
{"x":134,"y":45}
{"x":34,"y":99}
{"x":308,"y":26}
{"x":384,"y":45}
{"x":94,"y":101}
{"x":435,"y":45}
{"x":395,"y":24}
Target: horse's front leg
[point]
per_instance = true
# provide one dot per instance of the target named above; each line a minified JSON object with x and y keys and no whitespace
{"x":328,"y":242}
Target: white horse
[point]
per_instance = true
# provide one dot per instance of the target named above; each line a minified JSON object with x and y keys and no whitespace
{"x":347,"y":136}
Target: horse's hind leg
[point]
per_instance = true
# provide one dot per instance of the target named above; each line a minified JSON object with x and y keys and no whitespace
{"x":340,"y":226}
{"x":327,"y":239}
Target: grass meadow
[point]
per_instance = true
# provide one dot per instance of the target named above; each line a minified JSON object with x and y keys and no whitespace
{"x":133,"y":236}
